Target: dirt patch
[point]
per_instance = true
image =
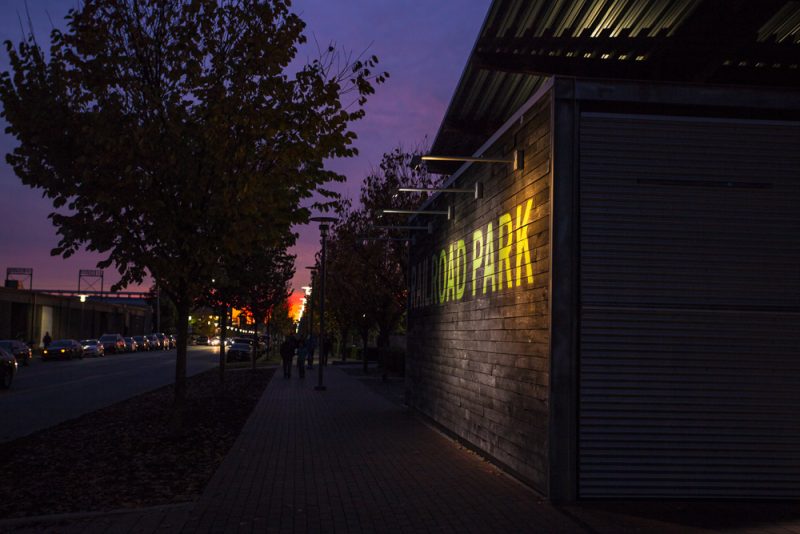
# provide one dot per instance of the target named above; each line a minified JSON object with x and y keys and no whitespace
{"x":127,"y":455}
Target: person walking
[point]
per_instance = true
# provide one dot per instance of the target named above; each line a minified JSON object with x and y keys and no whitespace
{"x":46,"y":339}
{"x":302,"y":353}
{"x":312,"y":344}
{"x":325,"y":349}
{"x":287,"y":352}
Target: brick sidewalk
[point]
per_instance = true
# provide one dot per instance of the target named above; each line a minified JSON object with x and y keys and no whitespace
{"x":348,"y":460}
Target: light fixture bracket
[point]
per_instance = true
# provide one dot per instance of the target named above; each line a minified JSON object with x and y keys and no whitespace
{"x":448,"y":212}
{"x":517,"y":159}
{"x":427,"y":228}
{"x":476,"y":191}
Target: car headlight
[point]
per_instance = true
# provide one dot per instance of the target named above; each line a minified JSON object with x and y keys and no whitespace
{"x":63,"y":350}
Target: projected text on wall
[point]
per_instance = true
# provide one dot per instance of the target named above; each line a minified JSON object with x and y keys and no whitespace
{"x":496,"y":257}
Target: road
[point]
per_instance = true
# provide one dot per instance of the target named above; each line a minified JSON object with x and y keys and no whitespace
{"x":46,"y":393}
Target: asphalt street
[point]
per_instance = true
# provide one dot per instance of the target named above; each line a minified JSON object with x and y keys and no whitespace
{"x":46,"y":393}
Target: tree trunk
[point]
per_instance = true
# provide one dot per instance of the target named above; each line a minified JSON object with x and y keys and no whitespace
{"x":365,"y":339}
{"x":254,"y":352}
{"x":383,"y":344}
{"x":223,"y":334}
{"x":340,"y":342}
{"x":182,"y":306}
{"x":270,"y":334}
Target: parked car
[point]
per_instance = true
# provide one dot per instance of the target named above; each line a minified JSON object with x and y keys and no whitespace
{"x":259,"y":349}
{"x":155,"y":343}
{"x":92,"y":347}
{"x":112,"y":343}
{"x":18,"y":349}
{"x":165,"y":344}
{"x":202,"y":340}
{"x":130,"y":344}
{"x":239,"y":352}
{"x":142,"y":343}
{"x":8,"y":368}
{"x":63,"y":349}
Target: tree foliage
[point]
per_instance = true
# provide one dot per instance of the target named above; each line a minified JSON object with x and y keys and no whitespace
{"x":262,"y":283}
{"x":169,"y":133}
{"x":280,"y":321}
{"x":369,"y":266}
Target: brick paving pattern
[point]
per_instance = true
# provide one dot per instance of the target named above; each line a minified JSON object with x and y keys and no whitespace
{"x":348,"y":460}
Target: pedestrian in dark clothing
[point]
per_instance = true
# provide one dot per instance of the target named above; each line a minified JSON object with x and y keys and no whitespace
{"x":327,"y":345}
{"x":46,"y":339}
{"x":312,"y":344}
{"x":302,"y":353}
{"x":287,"y":353}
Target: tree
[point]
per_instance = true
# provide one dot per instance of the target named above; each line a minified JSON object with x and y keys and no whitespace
{"x":370,"y":275}
{"x":280,"y":321}
{"x":262,"y":282}
{"x":157,"y":127}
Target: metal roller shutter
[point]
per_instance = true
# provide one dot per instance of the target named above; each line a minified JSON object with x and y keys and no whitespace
{"x":690,"y":307}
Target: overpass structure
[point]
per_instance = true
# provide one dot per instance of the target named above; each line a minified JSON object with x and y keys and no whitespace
{"x":27,"y":315}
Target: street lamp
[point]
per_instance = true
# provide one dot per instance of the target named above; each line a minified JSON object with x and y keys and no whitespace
{"x":313,"y":269}
{"x":324,"y":225}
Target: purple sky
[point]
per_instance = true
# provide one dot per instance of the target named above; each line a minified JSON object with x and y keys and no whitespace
{"x":423,"y":44}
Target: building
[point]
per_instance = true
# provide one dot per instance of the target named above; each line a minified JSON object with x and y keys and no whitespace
{"x":617,"y":316}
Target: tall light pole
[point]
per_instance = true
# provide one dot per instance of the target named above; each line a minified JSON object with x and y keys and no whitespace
{"x":313,"y":269}
{"x":324,"y":225}
{"x":310,"y":300}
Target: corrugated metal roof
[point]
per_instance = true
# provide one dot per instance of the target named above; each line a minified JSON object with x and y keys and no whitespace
{"x":784,"y":27}
{"x":522,"y":42}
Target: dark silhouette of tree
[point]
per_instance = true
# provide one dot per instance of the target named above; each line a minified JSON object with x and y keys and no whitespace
{"x":261,"y":283}
{"x":169,"y":134}
{"x":368,"y":285}
{"x":280,"y":323}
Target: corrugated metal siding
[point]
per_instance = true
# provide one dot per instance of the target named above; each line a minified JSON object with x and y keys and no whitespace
{"x":690,"y":308}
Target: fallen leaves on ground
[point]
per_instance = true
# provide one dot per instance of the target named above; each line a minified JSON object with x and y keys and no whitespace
{"x":128,"y":455}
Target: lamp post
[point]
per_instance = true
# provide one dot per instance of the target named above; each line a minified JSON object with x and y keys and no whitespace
{"x":313,"y":269}
{"x":324,"y":225}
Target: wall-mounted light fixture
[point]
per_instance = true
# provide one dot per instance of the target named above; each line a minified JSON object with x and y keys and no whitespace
{"x":448,"y":212}
{"x":367,"y":238}
{"x":477,"y":191}
{"x":428,"y":228}
{"x":517,"y":160}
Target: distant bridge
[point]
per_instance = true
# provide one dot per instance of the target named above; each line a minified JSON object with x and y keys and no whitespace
{"x":101,"y":294}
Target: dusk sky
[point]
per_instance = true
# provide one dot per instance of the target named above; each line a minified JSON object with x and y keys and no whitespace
{"x":423,"y":45}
